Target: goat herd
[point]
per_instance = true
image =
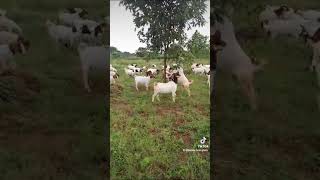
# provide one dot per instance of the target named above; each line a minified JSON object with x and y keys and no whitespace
{"x":276,"y":21}
{"x":174,"y":75}
{"x":74,"y":31}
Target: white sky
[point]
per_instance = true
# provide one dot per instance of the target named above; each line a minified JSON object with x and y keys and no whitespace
{"x":123,"y":36}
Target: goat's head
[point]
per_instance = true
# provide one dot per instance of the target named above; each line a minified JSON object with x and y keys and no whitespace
{"x":83,"y":13}
{"x":217,"y":42}
{"x":99,"y":29}
{"x":71,"y":10}
{"x":281,"y":10}
{"x":85,"y":30}
{"x":174,"y":77}
{"x":17,"y":47}
{"x":316,"y":36}
{"x":149,"y":73}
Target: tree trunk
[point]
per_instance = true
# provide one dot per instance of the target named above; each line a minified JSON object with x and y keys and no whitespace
{"x":165,"y":68}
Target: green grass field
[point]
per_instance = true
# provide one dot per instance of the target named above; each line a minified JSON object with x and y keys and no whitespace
{"x":280,"y":140}
{"x":147,"y":139}
{"x":50,"y":128}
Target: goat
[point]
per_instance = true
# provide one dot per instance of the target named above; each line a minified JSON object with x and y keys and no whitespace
{"x":233,"y":60}
{"x":7,"y":52}
{"x":165,"y":88}
{"x":92,"y":57}
{"x":144,"y":80}
{"x":9,"y":25}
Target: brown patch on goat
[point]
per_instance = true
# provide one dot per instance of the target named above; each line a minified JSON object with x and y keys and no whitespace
{"x":15,"y":48}
{"x":216,"y":41}
{"x":279,"y":12}
{"x":316,"y":36}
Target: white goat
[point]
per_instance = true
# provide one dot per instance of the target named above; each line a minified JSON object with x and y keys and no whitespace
{"x":8,"y":37}
{"x":233,"y":60}
{"x":312,"y":15}
{"x":62,"y":34}
{"x":68,"y":18}
{"x":92,"y":57}
{"x":199,"y":70}
{"x":7,"y":52}
{"x":130,"y":72}
{"x":284,"y":27}
{"x":153,"y":71}
{"x":183,"y":80}
{"x":143,"y":80}
{"x":79,"y":23}
{"x":165,"y":88}
{"x":9,"y":25}
{"x":273,"y":13}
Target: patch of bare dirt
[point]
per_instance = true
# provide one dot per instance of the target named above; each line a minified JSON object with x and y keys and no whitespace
{"x":166,"y":110}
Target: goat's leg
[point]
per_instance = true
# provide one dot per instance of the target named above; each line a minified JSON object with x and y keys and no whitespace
{"x":137,"y":86}
{"x":188,"y":90}
{"x":158,"y":97}
{"x":173,"y":96}
{"x":153,"y":96}
{"x":315,"y":57}
{"x":147,"y":87}
{"x":247,"y":87}
{"x":85,"y":79}
{"x":317,"y":69}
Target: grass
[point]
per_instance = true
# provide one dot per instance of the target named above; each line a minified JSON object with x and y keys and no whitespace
{"x":281,"y":139}
{"x":50,"y":127}
{"x":147,"y":139}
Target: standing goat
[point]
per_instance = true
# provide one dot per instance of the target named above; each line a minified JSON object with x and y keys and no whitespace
{"x":166,"y":88}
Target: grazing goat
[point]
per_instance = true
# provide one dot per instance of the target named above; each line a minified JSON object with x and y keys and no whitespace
{"x":165,"y":88}
{"x":130,"y":72}
{"x":68,"y":19}
{"x":233,"y":60}
{"x":92,"y":57}
{"x":143,"y":80}
{"x":7,"y":52}
{"x":283,"y":27}
{"x":312,"y":15}
{"x":62,"y":34}
{"x":11,"y":38}
{"x":7,"y":24}
{"x":273,"y":13}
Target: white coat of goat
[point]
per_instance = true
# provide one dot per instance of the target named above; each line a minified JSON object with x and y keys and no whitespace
{"x":7,"y":52}
{"x":9,"y":25}
{"x":312,"y":15}
{"x":284,"y":27}
{"x":143,"y":80}
{"x":92,"y":57}
{"x":61,"y":33}
{"x":166,"y":88}
{"x":234,"y":61}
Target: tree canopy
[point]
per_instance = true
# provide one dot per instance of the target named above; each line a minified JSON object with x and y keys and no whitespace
{"x":162,"y":23}
{"x":198,"y":45}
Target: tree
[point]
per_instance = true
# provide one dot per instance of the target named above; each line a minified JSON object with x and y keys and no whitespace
{"x":142,"y":52}
{"x":162,"y":23}
{"x":198,"y":45}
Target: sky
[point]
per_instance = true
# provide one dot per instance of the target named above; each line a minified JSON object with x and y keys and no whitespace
{"x":123,"y":36}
